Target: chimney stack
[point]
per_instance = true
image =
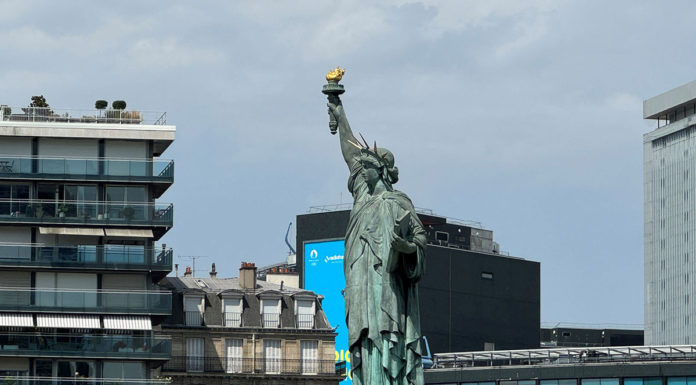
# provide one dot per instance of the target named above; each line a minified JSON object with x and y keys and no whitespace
{"x":188,"y":272}
{"x":213,"y":273}
{"x":247,"y":275}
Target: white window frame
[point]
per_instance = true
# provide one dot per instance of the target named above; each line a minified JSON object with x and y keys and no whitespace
{"x":195,"y":355}
{"x":309,"y":358}
{"x":310,"y":299}
{"x":240,"y":310}
{"x":278,"y":298}
{"x":234,"y":363}
{"x":201,"y":306}
{"x":272,"y":365}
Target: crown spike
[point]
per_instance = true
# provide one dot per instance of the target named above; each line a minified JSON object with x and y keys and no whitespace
{"x":367,"y":146}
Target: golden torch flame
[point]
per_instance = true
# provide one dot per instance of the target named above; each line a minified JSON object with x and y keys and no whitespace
{"x":336,"y":74}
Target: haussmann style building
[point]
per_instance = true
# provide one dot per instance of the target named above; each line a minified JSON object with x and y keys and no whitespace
{"x":79,"y":219}
{"x":247,"y":331}
{"x":669,"y":178}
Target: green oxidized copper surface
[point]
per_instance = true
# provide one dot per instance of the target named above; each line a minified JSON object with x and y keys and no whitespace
{"x":384,"y":260}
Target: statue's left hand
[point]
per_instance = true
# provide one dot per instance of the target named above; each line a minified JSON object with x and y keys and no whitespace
{"x":403,"y":246}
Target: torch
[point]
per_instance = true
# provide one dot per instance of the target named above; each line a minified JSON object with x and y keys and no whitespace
{"x":332,"y":89}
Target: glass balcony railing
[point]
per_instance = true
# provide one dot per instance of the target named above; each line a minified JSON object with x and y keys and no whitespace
{"x":80,"y":380}
{"x":86,"y":212}
{"x":110,"y":257}
{"x":85,"y":301}
{"x":159,"y":170}
{"x":76,"y":345}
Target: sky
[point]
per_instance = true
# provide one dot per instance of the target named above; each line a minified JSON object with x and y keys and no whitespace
{"x":525,"y":116}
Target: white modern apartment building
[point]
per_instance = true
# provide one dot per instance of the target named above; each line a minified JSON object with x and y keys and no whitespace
{"x":79,"y":266}
{"x":669,"y":169}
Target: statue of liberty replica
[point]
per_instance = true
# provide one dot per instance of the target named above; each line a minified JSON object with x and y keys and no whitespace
{"x":384,"y":260}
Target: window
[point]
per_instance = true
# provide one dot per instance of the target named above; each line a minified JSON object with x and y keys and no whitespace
{"x":270,"y":309}
{"x":232,"y":311}
{"x":486,"y":275}
{"x":194,"y":354}
{"x":123,"y":369}
{"x":13,"y":199}
{"x":271,"y":356}
{"x":78,"y":290}
{"x":234,"y":355}
{"x":600,"y":381}
{"x":488,"y":346}
{"x":193,"y":309}
{"x":643,"y":381}
{"x":126,"y":202}
{"x":305,"y":314}
{"x":308,"y":355}
{"x":73,"y":369}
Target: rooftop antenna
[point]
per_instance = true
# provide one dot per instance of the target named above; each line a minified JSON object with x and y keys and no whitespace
{"x":193,"y":258}
{"x":292,"y":250}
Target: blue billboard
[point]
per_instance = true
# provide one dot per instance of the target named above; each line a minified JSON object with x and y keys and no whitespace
{"x":323,"y":274}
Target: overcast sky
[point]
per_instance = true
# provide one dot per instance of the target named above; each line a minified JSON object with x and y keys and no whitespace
{"x":523,"y":115}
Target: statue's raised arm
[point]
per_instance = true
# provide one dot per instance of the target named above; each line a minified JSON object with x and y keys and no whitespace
{"x":349,"y":146}
{"x":337,"y":116}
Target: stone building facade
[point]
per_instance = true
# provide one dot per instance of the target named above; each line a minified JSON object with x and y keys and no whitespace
{"x":244,"y":331}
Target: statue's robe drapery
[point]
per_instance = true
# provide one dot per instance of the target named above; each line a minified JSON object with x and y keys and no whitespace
{"x":382,"y":310}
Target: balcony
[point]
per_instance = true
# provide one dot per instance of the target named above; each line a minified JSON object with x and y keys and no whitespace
{"x":29,"y":380}
{"x":102,"y":257}
{"x":305,"y":321}
{"x":233,"y":319}
{"x":261,"y":366}
{"x":271,"y":320}
{"x":92,"y":346}
{"x":85,"y":301}
{"x":86,"y":212}
{"x":156,"y":171}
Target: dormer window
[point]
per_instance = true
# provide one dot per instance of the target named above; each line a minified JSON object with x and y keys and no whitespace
{"x":304,"y":311}
{"x":270,"y":312}
{"x":193,"y":309}
{"x":232,"y":311}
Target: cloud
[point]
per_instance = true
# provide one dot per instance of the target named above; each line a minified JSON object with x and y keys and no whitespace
{"x":624,"y":101}
{"x":157,"y":54}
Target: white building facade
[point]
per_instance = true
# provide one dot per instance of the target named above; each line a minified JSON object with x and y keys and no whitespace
{"x":669,"y":183}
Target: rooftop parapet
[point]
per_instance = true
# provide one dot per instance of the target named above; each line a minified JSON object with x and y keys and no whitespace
{"x":680,"y":101}
{"x":48,"y":114}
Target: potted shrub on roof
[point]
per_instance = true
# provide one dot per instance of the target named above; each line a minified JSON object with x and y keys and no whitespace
{"x":101,"y":105}
{"x":117,"y":110}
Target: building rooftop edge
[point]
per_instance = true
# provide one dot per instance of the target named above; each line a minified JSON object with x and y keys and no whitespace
{"x":658,"y":106}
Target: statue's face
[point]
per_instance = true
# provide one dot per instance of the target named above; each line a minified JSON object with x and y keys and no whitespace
{"x":371,"y":173}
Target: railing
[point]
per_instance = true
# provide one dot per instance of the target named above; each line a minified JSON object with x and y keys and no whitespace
{"x":122,"y":257}
{"x":86,"y":212}
{"x":194,"y":318}
{"x":252,"y":366}
{"x":305,"y":321}
{"x":87,"y":169}
{"x":560,"y":356}
{"x":233,"y":319}
{"x":271,"y":320}
{"x":68,"y":345}
{"x":85,"y":301}
{"x":29,"y":380}
{"x":107,"y":116}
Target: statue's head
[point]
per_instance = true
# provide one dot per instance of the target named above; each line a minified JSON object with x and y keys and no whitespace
{"x":378,"y":165}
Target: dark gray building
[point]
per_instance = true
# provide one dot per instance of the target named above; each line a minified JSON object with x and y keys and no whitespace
{"x":569,"y":335}
{"x":637,"y":365}
{"x":471,"y":297}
